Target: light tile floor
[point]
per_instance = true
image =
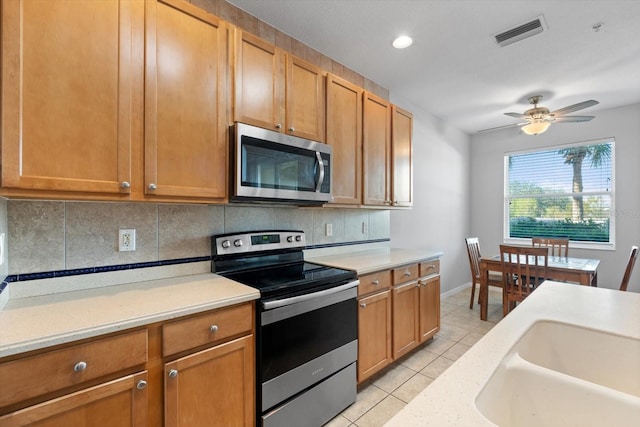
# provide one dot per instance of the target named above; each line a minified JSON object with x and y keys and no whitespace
{"x":383,"y":395}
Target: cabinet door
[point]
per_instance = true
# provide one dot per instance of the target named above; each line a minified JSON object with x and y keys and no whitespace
{"x":118,"y":403}
{"x":376,"y":150}
{"x":429,"y":307}
{"x":374,"y":334}
{"x":344,"y":134}
{"x":259,"y":74}
{"x":402,"y":154}
{"x":305,"y":99}
{"x":214,"y":387}
{"x":405,"y":318}
{"x":67,"y":94}
{"x":185,"y":126}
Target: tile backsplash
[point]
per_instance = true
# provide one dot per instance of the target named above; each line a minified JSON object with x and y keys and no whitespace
{"x":55,"y":235}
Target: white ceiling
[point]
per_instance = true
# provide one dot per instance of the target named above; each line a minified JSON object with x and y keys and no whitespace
{"x":455,"y":70}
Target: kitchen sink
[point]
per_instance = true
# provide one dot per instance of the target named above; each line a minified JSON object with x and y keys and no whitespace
{"x":559,"y":374}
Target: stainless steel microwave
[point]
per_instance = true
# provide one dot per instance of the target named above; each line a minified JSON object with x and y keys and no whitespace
{"x":273,"y":167}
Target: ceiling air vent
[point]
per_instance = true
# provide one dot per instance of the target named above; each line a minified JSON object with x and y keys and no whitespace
{"x":521,"y":32}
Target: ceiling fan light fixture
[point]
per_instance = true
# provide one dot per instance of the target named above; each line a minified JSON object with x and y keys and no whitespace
{"x":402,"y":42}
{"x":536,"y":127}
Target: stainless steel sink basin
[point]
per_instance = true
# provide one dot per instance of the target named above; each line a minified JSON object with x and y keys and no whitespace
{"x":559,"y":374}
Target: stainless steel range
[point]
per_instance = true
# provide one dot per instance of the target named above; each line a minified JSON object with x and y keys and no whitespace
{"x":306,"y":331}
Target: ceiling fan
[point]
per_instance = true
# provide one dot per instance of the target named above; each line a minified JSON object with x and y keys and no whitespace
{"x":538,"y":119}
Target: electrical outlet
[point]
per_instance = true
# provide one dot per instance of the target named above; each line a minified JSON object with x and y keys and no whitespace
{"x":127,"y":239}
{"x":328,"y":230}
{"x":365,"y":227}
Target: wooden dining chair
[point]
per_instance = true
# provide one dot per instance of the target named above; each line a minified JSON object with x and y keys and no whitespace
{"x":523,"y":269}
{"x":473,"y":250}
{"x":627,"y":272}
{"x":557,"y":247}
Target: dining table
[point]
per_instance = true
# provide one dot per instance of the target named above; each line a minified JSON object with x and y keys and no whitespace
{"x":563,"y":269}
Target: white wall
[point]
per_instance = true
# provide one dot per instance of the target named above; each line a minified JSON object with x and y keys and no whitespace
{"x":623,"y":124}
{"x":439,"y":219}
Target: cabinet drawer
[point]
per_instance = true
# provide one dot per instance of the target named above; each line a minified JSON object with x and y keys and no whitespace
{"x":405,"y":274}
{"x":374,"y":282}
{"x":206,"y":328}
{"x":54,"y":370}
{"x":428,"y":268}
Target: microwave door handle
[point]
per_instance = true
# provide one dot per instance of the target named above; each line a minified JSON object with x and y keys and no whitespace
{"x":321,"y":175}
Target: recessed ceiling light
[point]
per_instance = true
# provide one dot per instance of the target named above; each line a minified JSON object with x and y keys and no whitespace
{"x":402,"y":42}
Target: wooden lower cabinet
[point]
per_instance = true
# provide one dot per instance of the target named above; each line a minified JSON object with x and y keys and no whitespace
{"x":213,"y":387}
{"x":118,"y":403}
{"x":399,"y":310}
{"x":406,"y":313}
{"x":194,"y":371}
{"x":374,"y":334}
{"x":429,"y":307}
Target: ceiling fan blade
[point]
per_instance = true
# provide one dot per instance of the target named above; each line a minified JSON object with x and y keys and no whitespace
{"x":504,"y":127}
{"x":575,"y":107}
{"x":516,"y":115}
{"x":567,"y":119}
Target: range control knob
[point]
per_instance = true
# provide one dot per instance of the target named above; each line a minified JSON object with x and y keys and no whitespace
{"x":298,"y":238}
{"x":290,"y":239}
{"x":226,"y":244}
{"x":237,"y":243}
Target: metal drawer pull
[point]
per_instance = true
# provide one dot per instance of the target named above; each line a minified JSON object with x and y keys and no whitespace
{"x":292,"y":129}
{"x":213,"y":329}
{"x":407,"y":273}
{"x":363,"y":304}
{"x":80,"y":366}
{"x":278,"y":125}
{"x":173,"y":373}
{"x":432,"y":267}
{"x":125,"y":185}
{"x":141,"y":384}
{"x":152,"y":186}
{"x":375,"y":282}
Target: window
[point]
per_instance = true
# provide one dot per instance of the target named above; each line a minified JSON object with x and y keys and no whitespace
{"x":562,"y":192}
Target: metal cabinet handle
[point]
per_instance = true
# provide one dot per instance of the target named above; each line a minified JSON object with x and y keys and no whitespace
{"x":152,"y":186}
{"x":407,"y":273}
{"x":363,"y":304}
{"x":375,"y":282}
{"x":80,"y":366}
{"x":213,"y":329}
{"x":292,"y":129}
{"x":278,"y":125}
{"x":142,"y":384}
{"x":125,"y":185}
{"x":173,"y":373}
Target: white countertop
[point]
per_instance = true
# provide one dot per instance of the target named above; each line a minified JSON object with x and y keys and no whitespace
{"x":376,"y":259}
{"x":450,"y":399}
{"x":37,"y":322}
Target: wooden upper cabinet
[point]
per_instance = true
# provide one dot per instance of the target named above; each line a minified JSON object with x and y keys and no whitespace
{"x":67,"y":94}
{"x":344,"y":134}
{"x":402,"y":155}
{"x":258,"y":80}
{"x":275,"y":90}
{"x":185,"y":123}
{"x":376,"y":162}
{"x":305,"y":99}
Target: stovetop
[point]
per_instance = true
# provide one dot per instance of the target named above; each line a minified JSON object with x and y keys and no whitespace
{"x":273,"y":263}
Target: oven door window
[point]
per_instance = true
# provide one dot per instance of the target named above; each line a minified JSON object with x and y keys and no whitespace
{"x":268,"y":164}
{"x":292,"y":342}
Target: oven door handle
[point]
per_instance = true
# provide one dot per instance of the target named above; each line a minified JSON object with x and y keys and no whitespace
{"x":267,"y":305}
